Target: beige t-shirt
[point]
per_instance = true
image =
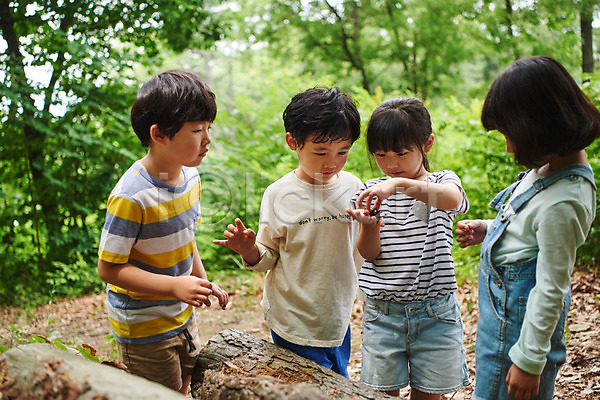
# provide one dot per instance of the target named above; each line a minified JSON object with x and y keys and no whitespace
{"x":307,"y":243}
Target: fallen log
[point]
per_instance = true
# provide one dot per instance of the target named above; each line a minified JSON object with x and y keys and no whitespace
{"x":238,"y":366}
{"x":43,"y":371}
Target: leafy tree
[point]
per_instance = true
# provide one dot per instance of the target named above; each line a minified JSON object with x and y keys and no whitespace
{"x":558,"y":28}
{"x":412,"y":45}
{"x":68,"y":82}
{"x":430,"y":47}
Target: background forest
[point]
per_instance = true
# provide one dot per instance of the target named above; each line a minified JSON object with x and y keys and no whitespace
{"x":71,"y":68}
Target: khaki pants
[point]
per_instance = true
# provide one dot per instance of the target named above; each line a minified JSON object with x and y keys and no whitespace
{"x":165,"y":362}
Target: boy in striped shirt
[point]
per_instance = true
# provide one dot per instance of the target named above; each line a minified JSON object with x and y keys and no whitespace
{"x":148,"y":254}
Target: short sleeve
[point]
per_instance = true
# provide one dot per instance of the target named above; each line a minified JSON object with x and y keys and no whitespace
{"x":121,"y":228}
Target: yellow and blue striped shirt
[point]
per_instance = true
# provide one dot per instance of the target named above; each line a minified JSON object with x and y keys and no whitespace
{"x":150,"y":225}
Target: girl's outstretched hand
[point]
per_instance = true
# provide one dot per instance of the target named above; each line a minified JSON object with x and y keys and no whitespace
{"x":379,"y":192}
{"x":470,"y":232}
{"x":364,"y":216}
{"x":239,"y":238}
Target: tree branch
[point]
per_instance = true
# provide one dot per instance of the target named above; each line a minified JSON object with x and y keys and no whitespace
{"x":354,"y":58}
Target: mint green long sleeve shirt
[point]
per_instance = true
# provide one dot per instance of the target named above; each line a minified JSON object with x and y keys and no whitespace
{"x":550,"y":227}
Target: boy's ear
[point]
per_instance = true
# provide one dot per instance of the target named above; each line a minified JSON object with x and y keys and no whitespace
{"x":429,"y":143}
{"x":156,"y":136}
{"x":290,"y":141}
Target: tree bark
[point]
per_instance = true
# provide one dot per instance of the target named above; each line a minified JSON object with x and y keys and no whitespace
{"x":587,"y":48}
{"x":235,"y":365}
{"x":509,"y":26}
{"x":43,"y":371}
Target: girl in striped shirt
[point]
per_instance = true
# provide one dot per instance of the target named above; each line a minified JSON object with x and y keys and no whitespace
{"x":412,"y":328}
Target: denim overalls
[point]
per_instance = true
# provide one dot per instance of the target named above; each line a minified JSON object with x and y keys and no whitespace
{"x":503,"y":293}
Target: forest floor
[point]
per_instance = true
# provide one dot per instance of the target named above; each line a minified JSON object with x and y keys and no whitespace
{"x":83,"y":321}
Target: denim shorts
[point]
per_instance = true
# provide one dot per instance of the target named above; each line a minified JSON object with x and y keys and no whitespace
{"x":419,"y":343}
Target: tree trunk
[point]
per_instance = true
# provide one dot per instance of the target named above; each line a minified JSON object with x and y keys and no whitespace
{"x":587,"y":48}
{"x":43,"y":371}
{"x":237,"y":366}
{"x":511,"y":33}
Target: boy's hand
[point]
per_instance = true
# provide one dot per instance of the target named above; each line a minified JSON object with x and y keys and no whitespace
{"x":192,"y":290}
{"x":239,"y":238}
{"x":221,"y":295}
{"x":365,"y":216}
{"x":470,"y":232}
{"x":522,"y":385}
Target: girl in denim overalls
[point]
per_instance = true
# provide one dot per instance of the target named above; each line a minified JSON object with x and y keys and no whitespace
{"x":528,"y":250}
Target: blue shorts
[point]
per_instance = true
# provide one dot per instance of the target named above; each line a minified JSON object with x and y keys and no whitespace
{"x":334,"y":358}
{"x":419,"y":343}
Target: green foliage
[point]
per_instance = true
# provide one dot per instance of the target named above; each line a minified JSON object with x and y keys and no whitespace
{"x":589,"y":252}
{"x":114,"y":353}
{"x":407,"y":45}
{"x":18,"y":337}
{"x":86,"y":352}
{"x":51,"y":222}
{"x":65,"y":137}
{"x":73,"y":279}
{"x":15,"y":335}
{"x":429,"y":47}
{"x":480,"y":160}
{"x":478,"y":157}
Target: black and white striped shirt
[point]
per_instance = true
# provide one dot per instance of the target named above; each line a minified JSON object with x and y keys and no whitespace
{"x":415,"y":262}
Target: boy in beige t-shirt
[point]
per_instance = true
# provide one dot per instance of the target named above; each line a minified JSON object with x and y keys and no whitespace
{"x":306,"y":241}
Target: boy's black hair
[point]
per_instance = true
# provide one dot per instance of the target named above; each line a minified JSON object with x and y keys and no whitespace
{"x":398,"y":124}
{"x":169,"y":100}
{"x":540,"y":108}
{"x":324,"y":113}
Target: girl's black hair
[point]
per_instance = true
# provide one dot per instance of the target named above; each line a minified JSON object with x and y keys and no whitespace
{"x":323,"y":115}
{"x":540,"y":108}
{"x":169,"y":100}
{"x":398,"y":124}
